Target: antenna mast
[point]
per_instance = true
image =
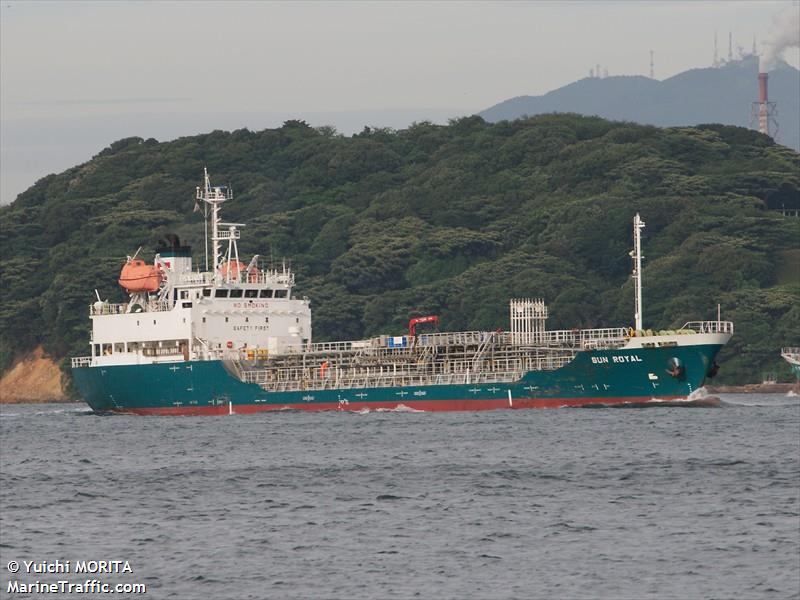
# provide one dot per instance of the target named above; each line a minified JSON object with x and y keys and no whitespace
{"x":730,"y":46}
{"x":638,"y":225}
{"x":215,"y":196}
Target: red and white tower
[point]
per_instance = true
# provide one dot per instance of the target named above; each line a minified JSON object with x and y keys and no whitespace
{"x":763,"y":110}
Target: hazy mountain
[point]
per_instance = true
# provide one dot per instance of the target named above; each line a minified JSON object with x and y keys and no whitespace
{"x":711,"y":95}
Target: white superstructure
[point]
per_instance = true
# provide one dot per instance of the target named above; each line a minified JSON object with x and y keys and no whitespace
{"x":229,"y":311}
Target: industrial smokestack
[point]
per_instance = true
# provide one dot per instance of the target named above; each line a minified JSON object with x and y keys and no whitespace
{"x":763,"y":104}
{"x":763,"y":94}
{"x":763,"y":110}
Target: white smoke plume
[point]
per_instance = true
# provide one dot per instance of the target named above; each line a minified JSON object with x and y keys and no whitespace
{"x":784,"y":33}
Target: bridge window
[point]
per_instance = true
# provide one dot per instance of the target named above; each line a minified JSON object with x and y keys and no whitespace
{"x":221,"y":294}
{"x":281,"y":293}
{"x":184,"y":294}
{"x":206,"y":292}
{"x":266,"y":293}
{"x":236,"y":293}
{"x":251,"y":293}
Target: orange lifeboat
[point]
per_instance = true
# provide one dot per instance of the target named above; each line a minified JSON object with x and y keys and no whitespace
{"x":235,"y":268}
{"x":136,"y":276}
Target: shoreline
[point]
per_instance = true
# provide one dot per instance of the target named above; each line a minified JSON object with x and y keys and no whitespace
{"x":58,"y":400}
{"x":755,"y":388}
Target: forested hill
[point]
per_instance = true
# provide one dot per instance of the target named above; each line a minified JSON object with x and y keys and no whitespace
{"x":450,"y":220}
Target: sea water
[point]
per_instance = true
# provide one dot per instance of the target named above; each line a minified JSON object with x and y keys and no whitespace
{"x":655,"y":502}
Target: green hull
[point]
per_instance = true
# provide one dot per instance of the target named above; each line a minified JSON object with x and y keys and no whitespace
{"x":595,"y":377}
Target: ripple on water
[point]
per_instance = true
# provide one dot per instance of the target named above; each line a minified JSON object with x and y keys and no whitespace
{"x":510,"y":504}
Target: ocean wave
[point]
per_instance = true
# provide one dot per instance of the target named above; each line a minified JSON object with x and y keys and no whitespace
{"x":400,"y":408}
{"x":763,"y":400}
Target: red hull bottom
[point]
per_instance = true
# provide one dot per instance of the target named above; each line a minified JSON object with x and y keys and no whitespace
{"x":420,"y":405}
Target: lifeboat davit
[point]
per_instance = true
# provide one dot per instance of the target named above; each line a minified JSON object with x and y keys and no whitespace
{"x":236,"y":268}
{"x":137,"y":276}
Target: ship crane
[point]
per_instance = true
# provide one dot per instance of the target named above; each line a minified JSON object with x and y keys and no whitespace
{"x":412,"y":324}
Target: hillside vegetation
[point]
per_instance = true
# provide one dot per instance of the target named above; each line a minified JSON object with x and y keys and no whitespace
{"x":450,"y":220}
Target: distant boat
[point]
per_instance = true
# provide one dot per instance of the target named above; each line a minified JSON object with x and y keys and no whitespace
{"x":792,"y":356}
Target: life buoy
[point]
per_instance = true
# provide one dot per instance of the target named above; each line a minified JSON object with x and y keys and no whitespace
{"x":229,"y":344}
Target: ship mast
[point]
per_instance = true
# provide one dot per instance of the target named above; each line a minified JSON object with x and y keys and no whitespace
{"x":215,"y":196}
{"x":638,"y":225}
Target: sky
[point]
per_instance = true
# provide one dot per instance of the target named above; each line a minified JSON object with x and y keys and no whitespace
{"x":76,"y":76}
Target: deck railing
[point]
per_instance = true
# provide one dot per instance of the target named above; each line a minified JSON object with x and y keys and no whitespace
{"x":107,"y":308}
{"x":379,"y":381}
{"x":81,"y":361}
{"x":709,"y":326}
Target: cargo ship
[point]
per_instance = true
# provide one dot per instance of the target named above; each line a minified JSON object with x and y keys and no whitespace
{"x":235,"y":339}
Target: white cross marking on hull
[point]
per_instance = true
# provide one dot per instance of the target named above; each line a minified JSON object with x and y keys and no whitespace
{"x":493,"y":389}
{"x":401,"y":393}
{"x":474,"y":390}
{"x":173,"y":369}
{"x":362,"y":395}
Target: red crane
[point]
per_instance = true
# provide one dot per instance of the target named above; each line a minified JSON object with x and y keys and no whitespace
{"x":412,"y":324}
